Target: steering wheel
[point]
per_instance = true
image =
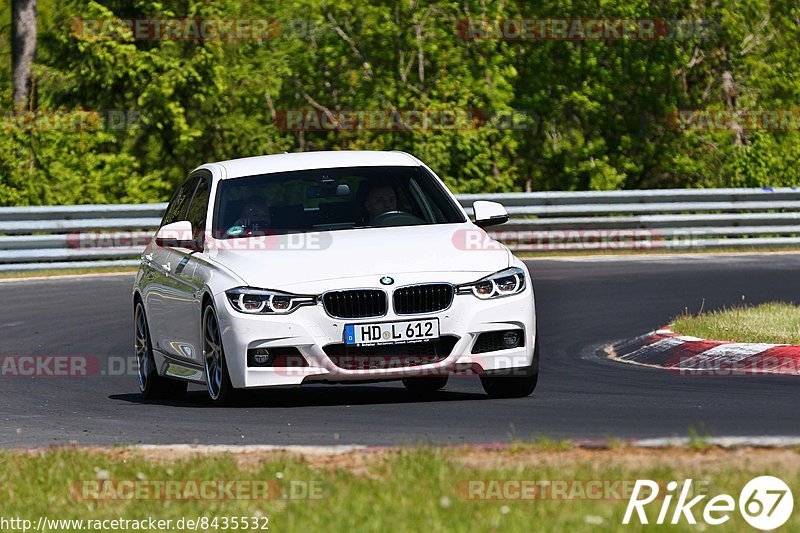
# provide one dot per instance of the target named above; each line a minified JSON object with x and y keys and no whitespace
{"x":395,"y":218}
{"x":257,"y":228}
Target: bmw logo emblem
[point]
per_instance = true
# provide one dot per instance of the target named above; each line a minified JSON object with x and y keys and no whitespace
{"x":386,"y":280}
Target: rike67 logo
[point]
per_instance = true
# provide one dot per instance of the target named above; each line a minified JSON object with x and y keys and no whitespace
{"x":766,"y":503}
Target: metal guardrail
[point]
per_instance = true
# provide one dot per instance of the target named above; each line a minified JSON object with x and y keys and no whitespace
{"x":56,"y":237}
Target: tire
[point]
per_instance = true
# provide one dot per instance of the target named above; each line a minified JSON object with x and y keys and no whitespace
{"x":151,"y":385}
{"x":506,"y":384}
{"x":218,"y":380}
{"x":425,"y":385}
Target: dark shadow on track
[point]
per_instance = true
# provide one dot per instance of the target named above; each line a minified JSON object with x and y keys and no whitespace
{"x":314,"y":396}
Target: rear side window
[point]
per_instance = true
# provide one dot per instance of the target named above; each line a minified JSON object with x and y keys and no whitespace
{"x":176,"y":210}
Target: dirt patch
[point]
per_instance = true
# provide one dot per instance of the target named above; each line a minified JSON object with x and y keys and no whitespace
{"x":707,"y":460}
{"x":367,"y":462}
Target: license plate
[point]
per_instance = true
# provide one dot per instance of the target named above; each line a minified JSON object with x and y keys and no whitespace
{"x":391,"y":332}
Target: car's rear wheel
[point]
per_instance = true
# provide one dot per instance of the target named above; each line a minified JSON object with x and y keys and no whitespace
{"x":513,"y":383}
{"x":218,"y":381}
{"x":422,"y":385}
{"x":151,"y":385}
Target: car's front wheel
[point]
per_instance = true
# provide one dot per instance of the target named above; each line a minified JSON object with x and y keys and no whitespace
{"x":218,"y":381}
{"x":513,"y":383}
{"x":151,"y":385}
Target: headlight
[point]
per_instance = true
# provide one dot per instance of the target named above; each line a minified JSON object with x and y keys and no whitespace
{"x":504,"y":283}
{"x":261,"y":301}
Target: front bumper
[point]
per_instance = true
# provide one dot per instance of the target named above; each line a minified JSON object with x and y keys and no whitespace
{"x":310,"y":329}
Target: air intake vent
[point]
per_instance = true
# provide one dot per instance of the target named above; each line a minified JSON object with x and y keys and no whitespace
{"x":357,"y":303}
{"x":391,"y":356}
{"x":418,"y":299}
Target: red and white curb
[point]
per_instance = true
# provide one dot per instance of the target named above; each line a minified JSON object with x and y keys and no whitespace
{"x":690,"y":356}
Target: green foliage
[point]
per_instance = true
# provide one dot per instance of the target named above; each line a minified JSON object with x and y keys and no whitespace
{"x":595,"y":114}
{"x":520,"y":489}
{"x":772,"y":323}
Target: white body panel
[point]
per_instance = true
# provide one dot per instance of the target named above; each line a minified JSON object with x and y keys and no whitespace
{"x":355,"y":253}
{"x":175,"y":283}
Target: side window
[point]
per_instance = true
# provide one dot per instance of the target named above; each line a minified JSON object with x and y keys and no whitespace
{"x":177,"y":207}
{"x":199,"y":207}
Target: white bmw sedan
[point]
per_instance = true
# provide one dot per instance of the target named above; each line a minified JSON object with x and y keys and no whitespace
{"x":338,"y":267}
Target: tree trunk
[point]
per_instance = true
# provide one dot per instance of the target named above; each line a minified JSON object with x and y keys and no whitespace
{"x":23,"y":48}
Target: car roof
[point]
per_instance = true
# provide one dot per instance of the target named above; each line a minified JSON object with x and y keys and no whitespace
{"x":269,"y":164}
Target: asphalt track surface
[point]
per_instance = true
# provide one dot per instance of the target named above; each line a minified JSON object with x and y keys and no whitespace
{"x":582,"y":306}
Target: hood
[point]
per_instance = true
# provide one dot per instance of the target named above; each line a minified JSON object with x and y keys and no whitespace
{"x":280,"y":260}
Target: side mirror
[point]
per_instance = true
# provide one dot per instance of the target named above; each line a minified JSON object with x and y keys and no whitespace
{"x":489,"y":213}
{"x":177,"y":235}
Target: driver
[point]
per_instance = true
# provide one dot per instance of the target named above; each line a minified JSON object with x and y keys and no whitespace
{"x":380,"y":198}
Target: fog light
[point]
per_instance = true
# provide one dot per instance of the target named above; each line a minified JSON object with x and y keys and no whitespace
{"x":260,"y":357}
{"x":511,"y":339}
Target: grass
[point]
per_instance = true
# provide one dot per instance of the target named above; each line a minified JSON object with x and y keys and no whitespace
{"x":698,"y":440}
{"x":67,"y":272}
{"x":776,"y":323}
{"x":412,"y":490}
{"x":541,"y":444}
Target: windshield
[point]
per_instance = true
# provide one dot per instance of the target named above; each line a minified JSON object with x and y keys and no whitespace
{"x":331,"y":199}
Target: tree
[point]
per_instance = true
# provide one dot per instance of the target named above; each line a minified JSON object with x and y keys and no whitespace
{"x":23,"y":48}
